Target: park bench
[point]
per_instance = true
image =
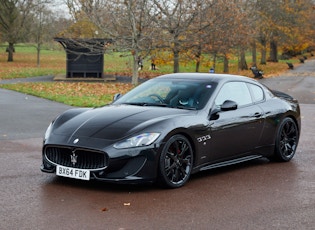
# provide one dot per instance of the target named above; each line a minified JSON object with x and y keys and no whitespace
{"x":257,"y":72}
{"x":290,"y":65}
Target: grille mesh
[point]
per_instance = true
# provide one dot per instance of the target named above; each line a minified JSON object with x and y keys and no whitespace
{"x":84,"y":158}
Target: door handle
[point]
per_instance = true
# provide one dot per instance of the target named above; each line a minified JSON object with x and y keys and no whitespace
{"x":258,"y":114}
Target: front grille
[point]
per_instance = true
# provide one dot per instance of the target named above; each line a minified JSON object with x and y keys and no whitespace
{"x":76,"y":157}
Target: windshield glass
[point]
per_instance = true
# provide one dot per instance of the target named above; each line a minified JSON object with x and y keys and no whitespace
{"x":175,"y":93}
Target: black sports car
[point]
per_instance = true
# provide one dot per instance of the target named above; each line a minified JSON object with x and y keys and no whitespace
{"x":172,"y":126}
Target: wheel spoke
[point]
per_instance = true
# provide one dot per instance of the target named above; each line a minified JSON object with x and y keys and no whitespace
{"x":184,"y":170}
{"x":186,"y":161}
{"x":178,"y":148}
{"x":170,"y":168}
{"x":176,"y":176}
{"x":292,"y":130}
{"x":184,"y":149}
{"x":171,"y":155}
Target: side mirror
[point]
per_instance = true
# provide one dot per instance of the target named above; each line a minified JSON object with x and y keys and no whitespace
{"x":117,"y":96}
{"x":227,"y":105}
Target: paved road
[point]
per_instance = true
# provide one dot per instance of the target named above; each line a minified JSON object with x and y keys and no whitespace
{"x":298,"y":82}
{"x":23,"y":116}
{"x":254,"y":195}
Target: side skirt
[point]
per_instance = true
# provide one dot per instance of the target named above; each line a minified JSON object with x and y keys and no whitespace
{"x":230,"y":162}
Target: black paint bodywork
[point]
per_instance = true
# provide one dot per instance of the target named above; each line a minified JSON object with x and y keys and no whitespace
{"x":219,"y":137}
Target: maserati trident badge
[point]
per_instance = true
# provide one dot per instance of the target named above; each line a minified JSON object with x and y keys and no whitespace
{"x":73,"y":158}
{"x":76,"y":141}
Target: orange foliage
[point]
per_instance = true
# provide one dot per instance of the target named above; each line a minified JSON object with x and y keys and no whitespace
{"x":79,"y":89}
{"x":83,"y":28}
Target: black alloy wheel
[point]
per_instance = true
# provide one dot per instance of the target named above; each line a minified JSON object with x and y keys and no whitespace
{"x":176,"y":162}
{"x":286,"y":140}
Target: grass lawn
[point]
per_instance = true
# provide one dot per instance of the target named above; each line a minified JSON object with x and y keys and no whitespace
{"x":80,"y":94}
{"x":53,"y":62}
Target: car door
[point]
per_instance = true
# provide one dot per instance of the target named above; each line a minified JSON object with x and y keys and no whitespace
{"x":235,"y":132}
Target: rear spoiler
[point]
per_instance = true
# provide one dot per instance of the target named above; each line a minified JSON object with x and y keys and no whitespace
{"x":283,"y":95}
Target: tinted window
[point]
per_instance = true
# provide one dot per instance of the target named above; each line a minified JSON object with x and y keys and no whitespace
{"x":258,"y":93}
{"x":234,"y":91}
{"x":191,"y":94}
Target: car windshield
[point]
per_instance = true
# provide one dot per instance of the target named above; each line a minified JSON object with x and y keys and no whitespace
{"x":174,"y":93}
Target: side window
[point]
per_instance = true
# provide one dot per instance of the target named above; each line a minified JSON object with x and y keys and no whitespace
{"x":234,"y":91}
{"x":257,"y":92}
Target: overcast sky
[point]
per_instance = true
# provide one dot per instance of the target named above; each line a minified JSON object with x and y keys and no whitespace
{"x":60,"y":7}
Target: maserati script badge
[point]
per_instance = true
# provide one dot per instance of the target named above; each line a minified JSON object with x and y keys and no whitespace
{"x":73,"y":158}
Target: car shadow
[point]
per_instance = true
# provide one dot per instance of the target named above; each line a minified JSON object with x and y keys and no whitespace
{"x":94,"y":185}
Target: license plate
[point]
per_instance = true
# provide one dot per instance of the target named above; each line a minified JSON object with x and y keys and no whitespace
{"x":81,"y":174}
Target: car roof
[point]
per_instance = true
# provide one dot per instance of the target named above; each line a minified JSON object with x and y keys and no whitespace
{"x":206,"y":77}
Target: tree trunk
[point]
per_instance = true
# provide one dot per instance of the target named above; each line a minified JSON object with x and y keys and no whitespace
{"x":214,"y":60}
{"x":197,"y":65}
{"x":10,"y":51}
{"x":176,"y":51}
{"x":273,"y":51}
{"x":38,"y":55}
{"x":225,"y":64}
{"x":198,"y":55}
{"x":263,"y":60}
{"x":254,"y":53}
{"x":135,"y":73}
{"x":243,"y":64}
{"x":176,"y":61}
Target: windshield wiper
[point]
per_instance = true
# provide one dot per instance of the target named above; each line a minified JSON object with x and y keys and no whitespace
{"x":147,"y":104}
{"x":159,"y":105}
{"x":184,"y":107}
{"x":135,"y":103}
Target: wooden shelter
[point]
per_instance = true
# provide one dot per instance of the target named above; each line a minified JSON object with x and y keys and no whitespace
{"x":85,"y":57}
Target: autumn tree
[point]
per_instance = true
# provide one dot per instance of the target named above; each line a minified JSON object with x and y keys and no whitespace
{"x":250,"y":8}
{"x":226,"y":30}
{"x":175,"y":20}
{"x":242,"y":31}
{"x":42,"y":20}
{"x":13,"y":22}
{"x":281,"y":24}
{"x":297,"y":31}
{"x":127,"y":22}
{"x":191,"y":28}
{"x":198,"y":35}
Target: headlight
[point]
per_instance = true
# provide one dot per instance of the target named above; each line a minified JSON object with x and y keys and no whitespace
{"x":143,"y":139}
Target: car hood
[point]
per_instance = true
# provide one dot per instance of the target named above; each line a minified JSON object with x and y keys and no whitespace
{"x":114,"y":122}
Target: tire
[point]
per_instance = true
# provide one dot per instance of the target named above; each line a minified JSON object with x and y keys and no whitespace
{"x":286,"y":140}
{"x":176,"y":162}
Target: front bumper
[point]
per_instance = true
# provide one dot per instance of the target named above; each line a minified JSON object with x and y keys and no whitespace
{"x":138,"y":165}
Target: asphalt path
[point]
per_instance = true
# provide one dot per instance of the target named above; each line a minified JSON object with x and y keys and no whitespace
{"x":254,"y":195}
